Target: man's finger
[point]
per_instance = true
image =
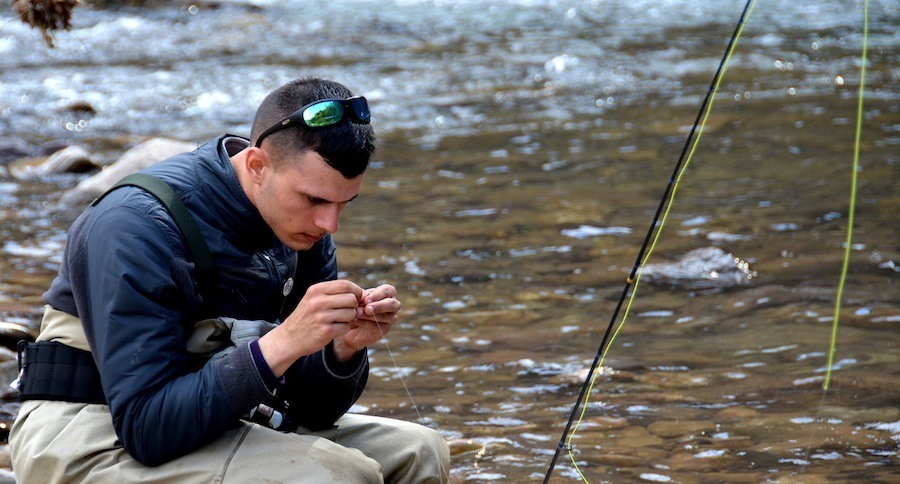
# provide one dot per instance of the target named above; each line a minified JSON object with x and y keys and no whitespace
{"x":341,"y":301}
{"x":340,"y":286}
{"x":384,"y":306}
{"x":345,"y":315}
{"x":384,"y":291}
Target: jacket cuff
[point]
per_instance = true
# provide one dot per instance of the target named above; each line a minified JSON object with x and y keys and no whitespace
{"x":262,"y":367}
{"x":240,"y":379}
{"x":343,"y":370}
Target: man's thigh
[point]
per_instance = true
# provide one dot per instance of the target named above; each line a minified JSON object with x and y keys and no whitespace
{"x":407,"y":452}
{"x":267,"y":455}
{"x":68,"y":442}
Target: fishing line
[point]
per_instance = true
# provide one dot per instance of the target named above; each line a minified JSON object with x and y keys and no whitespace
{"x":664,"y":203}
{"x":399,"y":371}
{"x":852,"y":209}
{"x":445,"y":472}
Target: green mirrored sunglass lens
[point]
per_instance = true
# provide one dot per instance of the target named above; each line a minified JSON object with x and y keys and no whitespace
{"x":323,"y":114}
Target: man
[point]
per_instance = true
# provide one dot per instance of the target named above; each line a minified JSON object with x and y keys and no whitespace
{"x":129,"y":291}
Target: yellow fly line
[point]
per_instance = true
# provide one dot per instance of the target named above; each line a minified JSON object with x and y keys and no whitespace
{"x":851,"y":211}
{"x":662,"y":223}
{"x":671,"y":197}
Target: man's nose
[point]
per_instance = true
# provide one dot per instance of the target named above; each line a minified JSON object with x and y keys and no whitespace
{"x":327,"y":217}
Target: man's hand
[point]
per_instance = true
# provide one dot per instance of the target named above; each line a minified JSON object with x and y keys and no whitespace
{"x":324,"y":314}
{"x":376,"y":314}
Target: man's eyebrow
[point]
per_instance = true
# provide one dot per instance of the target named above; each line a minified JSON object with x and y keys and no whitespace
{"x":315,"y":199}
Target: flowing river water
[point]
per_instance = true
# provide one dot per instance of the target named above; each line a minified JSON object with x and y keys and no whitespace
{"x":523,"y":149}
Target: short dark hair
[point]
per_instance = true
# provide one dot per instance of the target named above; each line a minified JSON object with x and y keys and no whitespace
{"x":347,"y":147}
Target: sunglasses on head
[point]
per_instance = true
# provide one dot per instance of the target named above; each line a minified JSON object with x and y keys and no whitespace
{"x":322,"y":114}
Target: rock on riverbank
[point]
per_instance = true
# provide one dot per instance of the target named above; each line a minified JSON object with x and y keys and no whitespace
{"x":135,"y":159}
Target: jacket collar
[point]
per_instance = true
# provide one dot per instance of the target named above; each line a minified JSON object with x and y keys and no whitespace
{"x":233,"y":212}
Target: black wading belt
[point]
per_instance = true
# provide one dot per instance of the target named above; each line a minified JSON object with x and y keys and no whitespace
{"x":53,"y":371}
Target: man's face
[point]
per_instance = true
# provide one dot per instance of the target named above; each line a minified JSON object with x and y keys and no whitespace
{"x":303,"y":199}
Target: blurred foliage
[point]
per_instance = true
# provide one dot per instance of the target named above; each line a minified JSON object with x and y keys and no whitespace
{"x":46,"y":15}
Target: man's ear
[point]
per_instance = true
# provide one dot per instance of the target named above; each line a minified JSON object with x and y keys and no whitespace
{"x":256,"y":162}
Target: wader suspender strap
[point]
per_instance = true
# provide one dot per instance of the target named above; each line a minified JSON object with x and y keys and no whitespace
{"x":49,"y":370}
{"x":199,"y":251}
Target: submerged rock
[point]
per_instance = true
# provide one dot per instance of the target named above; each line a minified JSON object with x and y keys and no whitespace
{"x":705,"y":268}
{"x":462,"y":446}
{"x":135,"y":159}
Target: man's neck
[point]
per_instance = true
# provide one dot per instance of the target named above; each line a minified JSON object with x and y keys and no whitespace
{"x":239,"y":161}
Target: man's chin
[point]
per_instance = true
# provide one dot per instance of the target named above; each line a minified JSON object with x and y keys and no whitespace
{"x":300,"y":242}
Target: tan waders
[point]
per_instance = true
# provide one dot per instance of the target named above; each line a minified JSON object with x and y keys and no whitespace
{"x":54,"y":441}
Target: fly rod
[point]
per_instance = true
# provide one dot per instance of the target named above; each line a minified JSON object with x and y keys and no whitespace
{"x":653,"y":225}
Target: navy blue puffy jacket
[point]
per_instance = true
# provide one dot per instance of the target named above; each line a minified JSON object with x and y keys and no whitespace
{"x":127,"y":276}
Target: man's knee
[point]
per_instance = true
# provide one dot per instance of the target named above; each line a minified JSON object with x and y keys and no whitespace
{"x":345,"y":464}
{"x":425,"y":457}
{"x":440,"y":454}
{"x":408,"y":452}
